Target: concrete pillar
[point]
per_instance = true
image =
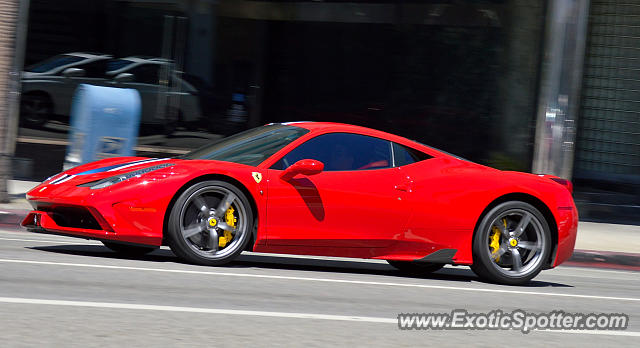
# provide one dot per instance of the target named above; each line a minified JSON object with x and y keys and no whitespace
{"x":560,"y":85}
{"x":13,"y":18}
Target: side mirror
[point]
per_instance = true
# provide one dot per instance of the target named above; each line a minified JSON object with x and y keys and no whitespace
{"x":304,"y":167}
{"x":73,"y":72}
{"x":124,"y":77}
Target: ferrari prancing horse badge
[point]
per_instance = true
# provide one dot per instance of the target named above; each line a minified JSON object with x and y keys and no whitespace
{"x":257,"y":176}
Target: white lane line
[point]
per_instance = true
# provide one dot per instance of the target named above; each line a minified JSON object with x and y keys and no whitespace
{"x":326,"y":280}
{"x":556,"y":276}
{"x":197,"y":310}
{"x":634,"y":276}
{"x":290,"y":315}
{"x":26,"y":233}
{"x":561,"y":269}
{"x":595,"y":332}
{"x":557,"y":272}
{"x":43,"y":241}
{"x":583,"y":269}
{"x":64,"y":242}
{"x":590,"y":273}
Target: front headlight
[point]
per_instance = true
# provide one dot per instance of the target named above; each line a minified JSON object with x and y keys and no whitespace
{"x":102,"y":183}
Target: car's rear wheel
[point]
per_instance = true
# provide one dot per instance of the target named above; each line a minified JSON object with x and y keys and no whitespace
{"x":413,"y":267}
{"x":512,"y":244}
{"x":210,"y":223}
{"x":129,"y":250}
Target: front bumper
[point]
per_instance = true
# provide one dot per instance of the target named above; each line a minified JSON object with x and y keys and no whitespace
{"x":124,"y":226}
{"x":49,"y":222}
{"x":131,"y":213}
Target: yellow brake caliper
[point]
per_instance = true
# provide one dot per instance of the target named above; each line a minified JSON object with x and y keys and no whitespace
{"x":231,"y":220}
{"x":494,"y":239}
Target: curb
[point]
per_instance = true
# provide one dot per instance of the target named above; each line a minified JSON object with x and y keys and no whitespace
{"x":11,"y":219}
{"x":604,"y":259}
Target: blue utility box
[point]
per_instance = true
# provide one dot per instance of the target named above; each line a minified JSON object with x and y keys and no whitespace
{"x":104,"y":123}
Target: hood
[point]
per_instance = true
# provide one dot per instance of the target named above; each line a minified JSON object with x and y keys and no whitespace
{"x":105,"y":168}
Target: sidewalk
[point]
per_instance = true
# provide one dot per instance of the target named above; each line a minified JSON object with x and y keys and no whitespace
{"x":598,"y":245}
{"x":17,"y":190}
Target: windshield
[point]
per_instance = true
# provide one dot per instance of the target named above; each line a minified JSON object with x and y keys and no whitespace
{"x":53,"y":62}
{"x":250,"y":147}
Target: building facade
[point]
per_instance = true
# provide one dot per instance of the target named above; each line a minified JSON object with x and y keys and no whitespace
{"x":491,"y":81}
{"x":607,"y":157}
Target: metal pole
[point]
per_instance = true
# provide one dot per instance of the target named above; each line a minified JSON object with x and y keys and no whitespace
{"x":561,"y":82}
{"x":16,"y":76}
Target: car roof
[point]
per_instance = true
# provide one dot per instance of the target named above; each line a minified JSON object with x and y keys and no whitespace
{"x":335,"y":127}
{"x":143,"y":59}
{"x":88,"y":55}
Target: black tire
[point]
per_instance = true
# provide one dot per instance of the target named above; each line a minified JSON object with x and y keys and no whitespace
{"x":194,"y":249}
{"x":129,"y":250}
{"x":532,"y":245}
{"x":413,"y":267}
{"x":35,"y":109}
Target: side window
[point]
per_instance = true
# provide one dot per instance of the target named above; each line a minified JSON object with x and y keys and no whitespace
{"x":341,"y":151}
{"x":403,"y":155}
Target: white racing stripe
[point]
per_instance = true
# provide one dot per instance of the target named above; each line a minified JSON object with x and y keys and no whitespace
{"x":329,"y":280}
{"x":58,"y":178}
{"x":289,"y":315}
{"x":137,"y":163}
{"x":62,"y":179}
{"x":196,"y":310}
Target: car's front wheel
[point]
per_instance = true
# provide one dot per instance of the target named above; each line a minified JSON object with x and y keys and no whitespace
{"x":512,"y":243}
{"x":210,"y":223}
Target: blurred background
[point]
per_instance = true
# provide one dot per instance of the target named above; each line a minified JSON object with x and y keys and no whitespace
{"x":537,"y":86}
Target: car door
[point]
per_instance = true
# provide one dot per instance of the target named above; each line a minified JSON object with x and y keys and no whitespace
{"x":356,"y":201}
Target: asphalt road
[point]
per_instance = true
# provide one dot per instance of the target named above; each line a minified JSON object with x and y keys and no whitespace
{"x":61,"y":292}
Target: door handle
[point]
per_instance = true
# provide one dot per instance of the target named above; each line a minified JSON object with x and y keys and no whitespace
{"x":402,"y":187}
{"x":405,"y":186}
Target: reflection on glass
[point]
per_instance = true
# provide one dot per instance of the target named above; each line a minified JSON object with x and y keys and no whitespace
{"x":54,"y":62}
{"x":117,"y":64}
{"x":250,"y":147}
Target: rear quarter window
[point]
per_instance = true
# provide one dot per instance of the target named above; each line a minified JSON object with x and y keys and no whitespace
{"x":404,"y":155}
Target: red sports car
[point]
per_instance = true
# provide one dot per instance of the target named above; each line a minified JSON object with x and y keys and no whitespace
{"x":318,"y":189}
